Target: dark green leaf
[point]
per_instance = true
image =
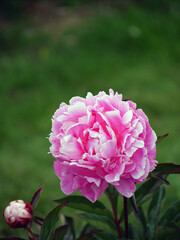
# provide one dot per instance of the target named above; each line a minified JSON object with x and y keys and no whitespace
{"x":50,"y":221}
{"x":105,"y":236}
{"x":160,"y":178}
{"x":171,"y":216}
{"x":12,"y":238}
{"x":167,"y":234}
{"x":153,"y":211}
{"x":96,"y":217}
{"x":81,"y":203}
{"x":87,"y":236}
{"x":134,"y":233}
{"x":113,"y":195}
{"x":38,"y":220}
{"x":71,"y":232}
{"x":141,"y":221}
{"x":166,"y":168}
{"x":159,"y":138}
{"x":86,"y":229}
{"x":134,"y":205}
{"x":60,"y":233}
{"x":36,"y":197}
{"x":143,"y":193}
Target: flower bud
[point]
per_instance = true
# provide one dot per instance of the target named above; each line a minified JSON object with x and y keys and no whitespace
{"x":18,"y":214}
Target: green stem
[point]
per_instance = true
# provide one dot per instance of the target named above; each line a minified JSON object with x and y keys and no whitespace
{"x":126,"y":217}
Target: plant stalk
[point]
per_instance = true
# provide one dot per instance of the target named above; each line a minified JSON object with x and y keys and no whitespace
{"x":116,"y":219}
{"x":126,"y":217}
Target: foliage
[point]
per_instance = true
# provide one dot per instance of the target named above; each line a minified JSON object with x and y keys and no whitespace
{"x":151,"y":226}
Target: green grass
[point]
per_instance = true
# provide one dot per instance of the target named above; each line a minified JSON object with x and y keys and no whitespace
{"x":135,"y":52}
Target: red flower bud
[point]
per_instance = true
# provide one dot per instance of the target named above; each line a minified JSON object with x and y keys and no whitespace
{"x":18,"y":214}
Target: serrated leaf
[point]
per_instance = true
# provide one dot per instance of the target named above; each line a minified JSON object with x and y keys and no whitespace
{"x":166,"y":168}
{"x":81,"y":203}
{"x":35,"y":197}
{"x":60,"y":233}
{"x":171,"y":216}
{"x":96,"y":217}
{"x":50,"y":221}
{"x":159,"y":138}
{"x":153,"y":211}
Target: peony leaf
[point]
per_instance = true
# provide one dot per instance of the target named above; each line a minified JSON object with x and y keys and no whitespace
{"x":143,"y":193}
{"x":12,"y":238}
{"x":86,"y":229}
{"x":60,"y":233}
{"x":38,"y":220}
{"x":171,"y":216}
{"x":87,"y":236}
{"x":35,"y":198}
{"x":167,"y":168}
{"x":50,"y":221}
{"x":153,"y":211}
{"x":160,"y":178}
{"x":113,"y":195}
{"x":133,"y":232}
{"x":81,"y":203}
{"x":167,"y":233}
{"x":134,"y":204}
{"x":159,"y":138}
{"x":106,"y":236}
{"x":71,"y":231}
{"x":141,"y":219}
{"x":96,"y":217}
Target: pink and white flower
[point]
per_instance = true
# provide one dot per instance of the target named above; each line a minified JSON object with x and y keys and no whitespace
{"x":101,"y":140}
{"x":18,"y":214}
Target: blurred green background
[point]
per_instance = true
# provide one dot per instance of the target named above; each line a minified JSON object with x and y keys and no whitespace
{"x":51,"y":51}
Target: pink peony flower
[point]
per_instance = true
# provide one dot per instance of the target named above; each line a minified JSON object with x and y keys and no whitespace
{"x":18,"y":214}
{"x":99,"y":140}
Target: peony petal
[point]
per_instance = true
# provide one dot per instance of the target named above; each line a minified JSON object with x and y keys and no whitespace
{"x":71,"y":147}
{"x":115,"y":174}
{"x":65,"y":176}
{"x":114,"y":120}
{"x":138,"y":143}
{"x":76,"y":130}
{"x":92,"y":192}
{"x":125,"y":187}
{"x":108,"y":149}
{"x":127,"y":117}
{"x":129,"y":152}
